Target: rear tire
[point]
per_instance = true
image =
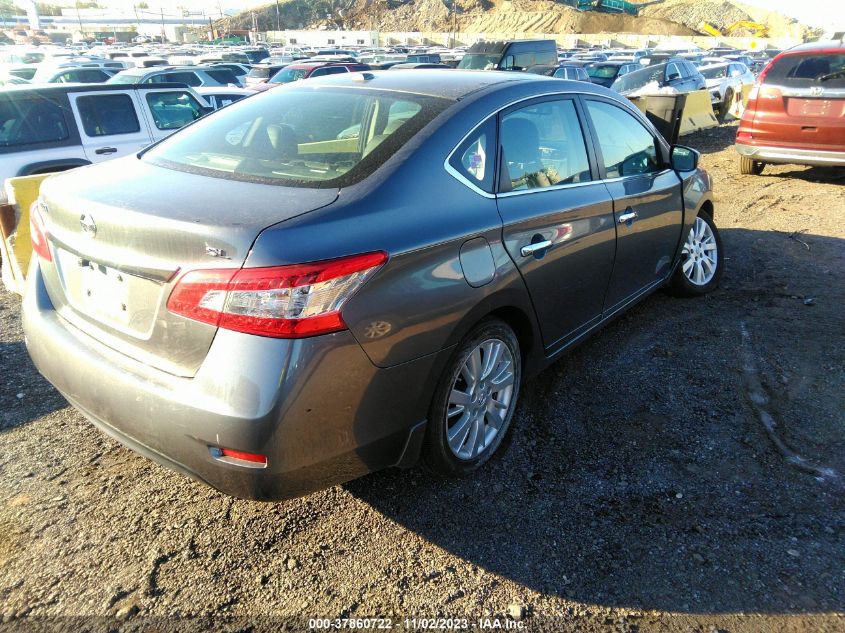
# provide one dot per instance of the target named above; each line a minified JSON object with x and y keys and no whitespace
{"x":750,"y":167}
{"x":474,"y":401}
{"x":726,"y":103}
{"x":702,"y":260}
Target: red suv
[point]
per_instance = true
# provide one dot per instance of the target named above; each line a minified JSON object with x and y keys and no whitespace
{"x":305,"y":70}
{"x":796,"y":110}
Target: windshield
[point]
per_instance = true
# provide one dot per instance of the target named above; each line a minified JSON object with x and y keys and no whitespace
{"x":125,"y":78}
{"x":716,"y":72}
{"x":288,"y":75}
{"x":477,"y":61}
{"x":299,"y":137}
{"x":639,"y":78}
{"x":602,"y":71}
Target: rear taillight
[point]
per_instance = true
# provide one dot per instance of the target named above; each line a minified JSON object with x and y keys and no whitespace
{"x":769,"y":92}
{"x":281,"y":302}
{"x":38,"y":233}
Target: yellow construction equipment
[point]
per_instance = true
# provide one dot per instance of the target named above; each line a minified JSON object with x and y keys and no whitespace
{"x":760,"y":30}
{"x":708,"y":28}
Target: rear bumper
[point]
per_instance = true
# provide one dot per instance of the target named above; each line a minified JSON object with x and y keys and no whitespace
{"x":319,"y":410}
{"x":792,"y":155}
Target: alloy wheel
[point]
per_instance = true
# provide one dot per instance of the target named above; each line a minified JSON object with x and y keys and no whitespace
{"x":480,"y":400}
{"x":700,"y":254}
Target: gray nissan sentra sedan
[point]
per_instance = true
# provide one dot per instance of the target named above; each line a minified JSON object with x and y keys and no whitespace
{"x":355,"y":272}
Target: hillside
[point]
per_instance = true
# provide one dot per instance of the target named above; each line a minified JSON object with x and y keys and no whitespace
{"x":671,"y":17}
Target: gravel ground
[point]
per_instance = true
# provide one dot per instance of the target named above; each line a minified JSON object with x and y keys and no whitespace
{"x":641,"y":489}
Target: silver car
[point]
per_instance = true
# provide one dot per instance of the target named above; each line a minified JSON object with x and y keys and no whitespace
{"x":354,"y":272}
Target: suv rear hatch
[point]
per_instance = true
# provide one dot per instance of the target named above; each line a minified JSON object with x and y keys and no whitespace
{"x":801,"y":102}
{"x":118,"y":249}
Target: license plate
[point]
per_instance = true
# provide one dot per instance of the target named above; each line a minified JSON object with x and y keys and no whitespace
{"x":810,"y":107}
{"x":104,"y":291}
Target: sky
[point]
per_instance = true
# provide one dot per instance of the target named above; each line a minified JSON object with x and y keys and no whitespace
{"x":827,"y":14}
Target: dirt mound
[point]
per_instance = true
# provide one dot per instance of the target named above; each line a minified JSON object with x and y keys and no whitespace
{"x":723,"y":13}
{"x":502,"y":16}
{"x":672,"y":17}
{"x":718,"y":13}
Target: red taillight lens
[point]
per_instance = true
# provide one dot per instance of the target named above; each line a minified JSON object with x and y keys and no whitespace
{"x":38,"y":233}
{"x":280,"y":302}
{"x":743,"y":136}
{"x":238,"y":458}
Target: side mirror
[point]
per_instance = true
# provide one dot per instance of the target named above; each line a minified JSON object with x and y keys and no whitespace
{"x":684,"y":158}
{"x":673,"y":77}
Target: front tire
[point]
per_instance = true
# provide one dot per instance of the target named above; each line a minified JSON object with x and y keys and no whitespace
{"x":474,"y":401}
{"x":702,"y":260}
{"x":750,"y":167}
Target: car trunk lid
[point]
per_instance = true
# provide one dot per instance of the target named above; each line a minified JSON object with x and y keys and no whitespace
{"x":118,"y":249}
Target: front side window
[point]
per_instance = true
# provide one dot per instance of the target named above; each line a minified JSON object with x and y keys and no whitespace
{"x":25,"y":121}
{"x":300,"y":137}
{"x":104,"y":115}
{"x":671,"y":71}
{"x":627,"y":147}
{"x":172,"y":110}
{"x":543,"y":146}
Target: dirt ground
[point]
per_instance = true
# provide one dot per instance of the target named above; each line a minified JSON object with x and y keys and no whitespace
{"x":680,"y":471}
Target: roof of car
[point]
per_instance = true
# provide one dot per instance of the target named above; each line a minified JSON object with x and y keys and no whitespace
{"x":838,"y":45}
{"x":50,"y":89}
{"x":450,"y":84}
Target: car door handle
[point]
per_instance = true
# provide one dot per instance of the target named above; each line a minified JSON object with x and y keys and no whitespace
{"x":105,"y":150}
{"x":629,"y":216}
{"x":534,"y":249}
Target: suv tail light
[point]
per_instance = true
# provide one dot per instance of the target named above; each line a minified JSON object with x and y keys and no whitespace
{"x":38,"y":233}
{"x":281,"y":302}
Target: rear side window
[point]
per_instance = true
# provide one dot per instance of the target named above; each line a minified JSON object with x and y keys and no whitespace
{"x":189,"y":79}
{"x":330,"y":70}
{"x":24,"y":121}
{"x":825,"y":70}
{"x":474,"y":158}
{"x":223,"y":75}
{"x":104,"y":115}
{"x":543,"y":146}
{"x":627,"y":147}
{"x":172,"y":110}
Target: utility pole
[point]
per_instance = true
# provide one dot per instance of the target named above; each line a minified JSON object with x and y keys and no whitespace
{"x":278,"y":19}
{"x":79,"y":19}
{"x":163,"y":34}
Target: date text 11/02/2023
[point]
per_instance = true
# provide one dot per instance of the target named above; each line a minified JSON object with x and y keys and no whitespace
{"x":416,"y":624}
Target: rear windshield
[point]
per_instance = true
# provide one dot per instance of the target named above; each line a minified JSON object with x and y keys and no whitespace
{"x":260,"y":73}
{"x":825,"y":70}
{"x":639,"y":78}
{"x":714,"y":73}
{"x":299,"y":137}
{"x":602,"y":71}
